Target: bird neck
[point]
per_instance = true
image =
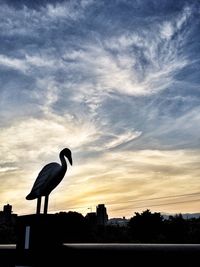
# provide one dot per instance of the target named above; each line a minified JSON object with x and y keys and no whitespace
{"x":63,"y":161}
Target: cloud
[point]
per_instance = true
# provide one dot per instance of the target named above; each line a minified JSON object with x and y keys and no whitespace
{"x":7,"y":169}
{"x":131,"y":63}
{"x":172,"y":132}
{"x":36,"y":138}
{"x":28,"y":64}
{"x":13,"y":63}
{"x":169,"y":28}
{"x":121,"y":139}
{"x":68,"y":9}
{"x":26,"y":21}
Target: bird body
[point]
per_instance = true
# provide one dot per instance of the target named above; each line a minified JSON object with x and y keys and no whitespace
{"x":50,"y":176}
{"x":46,"y":182}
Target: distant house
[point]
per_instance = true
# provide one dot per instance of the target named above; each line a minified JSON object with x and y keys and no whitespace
{"x":121,"y":222}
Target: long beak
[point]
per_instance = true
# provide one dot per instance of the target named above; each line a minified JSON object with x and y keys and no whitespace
{"x":70,"y":159}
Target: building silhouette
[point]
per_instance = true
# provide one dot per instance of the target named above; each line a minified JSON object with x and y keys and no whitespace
{"x":7,"y":209}
{"x":8,"y":222}
{"x":7,"y":216}
{"x":102,"y":216}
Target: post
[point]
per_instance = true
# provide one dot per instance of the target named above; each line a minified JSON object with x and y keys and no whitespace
{"x":39,"y":238}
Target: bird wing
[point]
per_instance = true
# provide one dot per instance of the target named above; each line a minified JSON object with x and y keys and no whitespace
{"x":44,"y":178}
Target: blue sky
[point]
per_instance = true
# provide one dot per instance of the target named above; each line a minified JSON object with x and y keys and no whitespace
{"x":115,"y":81}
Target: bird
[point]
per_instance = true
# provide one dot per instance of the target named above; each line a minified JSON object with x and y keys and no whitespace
{"x":48,"y":178}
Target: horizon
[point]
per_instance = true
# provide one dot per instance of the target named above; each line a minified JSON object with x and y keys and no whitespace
{"x":116,"y":82}
{"x":109,"y":217}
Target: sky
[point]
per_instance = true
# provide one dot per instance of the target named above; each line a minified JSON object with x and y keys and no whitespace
{"x":117,"y":82}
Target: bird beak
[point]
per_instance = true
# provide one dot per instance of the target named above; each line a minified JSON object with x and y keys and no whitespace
{"x":70,"y":159}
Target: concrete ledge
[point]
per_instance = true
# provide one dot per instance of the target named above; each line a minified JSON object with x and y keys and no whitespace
{"x":90,"y":254}
{"x":153,"y":254}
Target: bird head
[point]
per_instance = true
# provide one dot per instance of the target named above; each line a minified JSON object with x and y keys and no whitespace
{"x":68,"y":154}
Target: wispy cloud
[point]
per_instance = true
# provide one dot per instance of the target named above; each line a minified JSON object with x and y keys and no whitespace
{"x":26,"y":21}
{"x":7,"y":169}
{"x":121,"y":139}
{"x":171,"y":27}
{"x":34,"y":138}
{"x":67,"y":10}
{"x":13,"y":63}
{"x":132,"y":63}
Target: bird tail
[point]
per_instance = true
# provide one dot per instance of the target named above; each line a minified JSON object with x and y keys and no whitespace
{"x":30,"y":197}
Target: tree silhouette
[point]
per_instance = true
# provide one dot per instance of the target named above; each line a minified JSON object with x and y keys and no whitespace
{"x":146,"y":227}
{"x":177,"y":229}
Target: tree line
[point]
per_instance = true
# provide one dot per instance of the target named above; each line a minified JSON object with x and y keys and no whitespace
{"x":144,"y":227}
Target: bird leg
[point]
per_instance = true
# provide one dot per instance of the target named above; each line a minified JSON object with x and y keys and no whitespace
{"x":38,"y":205}
{"x":46,"y":204}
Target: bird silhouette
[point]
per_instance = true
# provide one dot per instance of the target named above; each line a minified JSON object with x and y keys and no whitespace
{"x":48,"y":178}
